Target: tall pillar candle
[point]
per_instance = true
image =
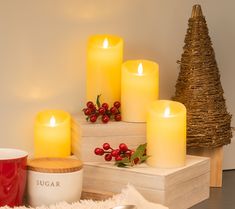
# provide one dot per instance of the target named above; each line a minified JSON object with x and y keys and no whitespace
{"x":139,"y":87}
{"x":52,"y":134}
{"x":166,"y":134}
{"x":104,"y":60}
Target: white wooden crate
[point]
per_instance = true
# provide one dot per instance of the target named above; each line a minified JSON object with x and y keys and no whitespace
{"x":87,"y":136}
{"x":177,"y":188}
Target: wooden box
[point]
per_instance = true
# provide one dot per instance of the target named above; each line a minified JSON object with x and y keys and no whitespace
{"x":87,"y":136}
{"x":177,"y":188}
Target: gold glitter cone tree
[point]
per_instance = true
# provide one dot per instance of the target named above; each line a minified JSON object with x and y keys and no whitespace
{"x":199,"y":88}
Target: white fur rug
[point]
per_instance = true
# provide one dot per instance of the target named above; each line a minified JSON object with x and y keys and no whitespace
{"x":128,"y":196}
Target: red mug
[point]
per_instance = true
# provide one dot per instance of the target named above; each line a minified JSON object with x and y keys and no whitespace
{"x":13,"y":164}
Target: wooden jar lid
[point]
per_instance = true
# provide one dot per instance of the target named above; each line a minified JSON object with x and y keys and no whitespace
{"x":54,"y":165}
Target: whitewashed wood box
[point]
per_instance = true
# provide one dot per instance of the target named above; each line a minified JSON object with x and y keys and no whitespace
{"x":87,"y":136}
{"x":177,"y":188}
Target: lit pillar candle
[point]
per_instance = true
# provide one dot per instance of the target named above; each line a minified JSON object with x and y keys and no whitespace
{"x":139,"y":87}
{"x":166,"y":134}
{"x":52,"y":134}
{"x":104,"y":60}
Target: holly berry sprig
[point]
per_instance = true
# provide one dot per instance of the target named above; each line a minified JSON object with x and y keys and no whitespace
{"x":93,"y":112}
{"x":123,"y":156}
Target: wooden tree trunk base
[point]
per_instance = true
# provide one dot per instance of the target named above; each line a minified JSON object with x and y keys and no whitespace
{"x":216,"y":159}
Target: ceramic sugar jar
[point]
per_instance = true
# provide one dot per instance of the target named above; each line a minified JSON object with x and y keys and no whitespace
{"x":53,"y":180}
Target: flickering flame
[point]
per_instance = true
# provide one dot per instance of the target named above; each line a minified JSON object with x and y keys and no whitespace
{"x":167,"y":112}
{"x":52,"y":121}
{"x":105,"y":43}
{"x":140,"y":69}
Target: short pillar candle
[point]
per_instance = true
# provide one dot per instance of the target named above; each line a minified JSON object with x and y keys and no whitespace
{"x":104,"y":60}
{"x":166,"y":134}
{"x":52,"y":134}
{"x":139,"y":87}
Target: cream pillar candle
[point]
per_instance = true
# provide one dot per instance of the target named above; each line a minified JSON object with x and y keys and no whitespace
{"x":52,"y":134}
{"x":104,"y":60}
{"x":139,"y":87}
{"x":166,"y":134}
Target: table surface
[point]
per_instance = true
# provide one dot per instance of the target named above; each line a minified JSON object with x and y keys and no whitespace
{"x":221,"y":198}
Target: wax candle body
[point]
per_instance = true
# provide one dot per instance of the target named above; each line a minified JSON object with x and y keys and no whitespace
{"x":104,"y":60}
{"x":139,"y":87}
{"x":166,"y":134}
{"x":52,"y":134}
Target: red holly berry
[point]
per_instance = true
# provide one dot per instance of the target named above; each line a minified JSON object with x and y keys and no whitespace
{"x":132,"y":152}
{"x":93,"y":118}
{"x":115,"y":152}
{"x":117,"y":104}
{"x":105,"y":118}
{"x":98,"y":110}
{"x":90,"y":104}
{"x":136,"y":160}
{"x":123,"y":147}
{"x":106,"y":146}
{"x":108,"y":157}
{"x":87,"y":111}
{"x":101,"y":110}
{"x":128,"y":153}
{"x":118,"y":117}
{"x":113,"y":110}
{"x":118,"y":158}
{"x":99,"y":151}
{"x":93,"y":110}
{"x":123,"y":156}
{"x":105,"y":106}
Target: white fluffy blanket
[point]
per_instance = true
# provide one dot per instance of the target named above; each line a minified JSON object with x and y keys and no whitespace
{"x":129,"y":195}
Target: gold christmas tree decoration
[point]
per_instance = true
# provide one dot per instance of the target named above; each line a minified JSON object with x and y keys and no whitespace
{"x":199,"y":88}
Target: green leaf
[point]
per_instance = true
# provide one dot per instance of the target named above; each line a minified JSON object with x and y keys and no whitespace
{"x":124,"y":160}
{"x":139,"y":151}
{"x":98,"y":100}
{"x":118,"y":164}
{"x":143,"y":158}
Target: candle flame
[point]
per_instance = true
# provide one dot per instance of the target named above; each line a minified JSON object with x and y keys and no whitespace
{"x":52,"y":121}
{"x":140,"y":69}
{"x":167,"y":112}
{"x":105,"y":43}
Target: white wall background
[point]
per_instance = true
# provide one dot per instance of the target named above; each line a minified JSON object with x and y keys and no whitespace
{"x":43,"y":52}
